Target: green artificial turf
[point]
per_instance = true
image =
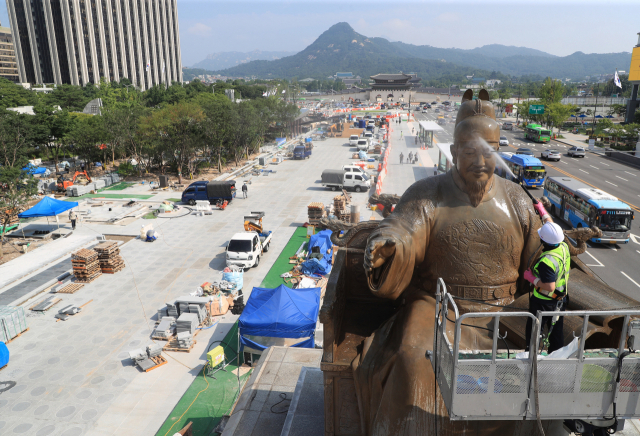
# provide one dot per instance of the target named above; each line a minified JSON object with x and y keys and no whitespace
{"x":282,"y":265}
{"x":215,"y":400}
{"x":120,"y":196}
{"x":118,"y":186}
{"x":150,"y":216}
{"x":175,"y":200}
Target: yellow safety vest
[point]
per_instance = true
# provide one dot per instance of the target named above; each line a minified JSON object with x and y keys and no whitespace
{"x":559,"y":260}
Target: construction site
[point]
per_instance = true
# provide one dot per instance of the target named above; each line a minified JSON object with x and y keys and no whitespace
{"x":158,"y":315}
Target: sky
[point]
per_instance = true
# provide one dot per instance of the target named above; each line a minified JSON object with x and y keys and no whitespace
{"x":559,"y":27}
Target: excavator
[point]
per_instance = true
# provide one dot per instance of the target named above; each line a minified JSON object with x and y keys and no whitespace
{"x":79,"y":178}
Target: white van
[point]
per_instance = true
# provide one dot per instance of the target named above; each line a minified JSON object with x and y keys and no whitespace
{"x":368,"y":135}
{"x":353,"y":140}
{"x":363,"y":144}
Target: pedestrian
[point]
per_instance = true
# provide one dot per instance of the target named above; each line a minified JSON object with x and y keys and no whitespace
{"x":245,"y":190}
{"x":410,"y":158}
{"x":415,"y":158}
{"x":401,"y":157}
{"x":401,"y":135}
{"x":416,"y":140}
{"x":73,"y":217}
{"x":435,"y":169}
{"x":549,"y":276}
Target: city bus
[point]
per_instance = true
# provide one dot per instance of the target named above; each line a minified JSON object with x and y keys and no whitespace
{"x":528,"y":169}
{"x":580,"y":205}
{"x":536,"y":133}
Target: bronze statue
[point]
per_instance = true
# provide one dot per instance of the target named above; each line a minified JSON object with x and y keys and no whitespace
{"x":476,"y":231}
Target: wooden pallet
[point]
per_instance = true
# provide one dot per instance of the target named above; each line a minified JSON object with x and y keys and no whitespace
{"x":4,"y":367}
{"x":107,"y":247}
{"x":16,"y":337}
{"x":87,"y":279}
{"x":71,"y":288}
{"x":172,"y":345}
{"x":159,"y":361}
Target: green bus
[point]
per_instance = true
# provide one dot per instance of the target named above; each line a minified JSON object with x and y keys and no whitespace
{"x":536,"y":133}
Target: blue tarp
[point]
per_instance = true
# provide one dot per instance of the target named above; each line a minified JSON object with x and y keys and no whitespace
{"x":280,"y":313}
{"x":32,"y":169}
{"x":4,"y":354}
{"x":315,"y":266}
{"x":48,"y":207}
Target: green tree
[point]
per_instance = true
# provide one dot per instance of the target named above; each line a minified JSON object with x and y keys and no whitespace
{"x":178,"y":128}
{"x":16,"y":136}
{"x":618,"y":109}
{"x":12,"y":95}
{"x":69,"y":97}
{"x":87,"y":136}
{"x":17,"y":190}
{"x":217,"y":127}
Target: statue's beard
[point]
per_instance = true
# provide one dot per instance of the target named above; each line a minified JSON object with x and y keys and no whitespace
{"x":475,"y":191}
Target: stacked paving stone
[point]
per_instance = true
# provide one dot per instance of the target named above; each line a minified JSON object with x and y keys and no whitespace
{"x":185,"y":340}
{"x":109,"y":257}
{"x":187,"y":322}
{"x":86,"y":267}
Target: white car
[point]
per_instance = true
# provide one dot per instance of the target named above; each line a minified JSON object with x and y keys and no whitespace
{"x":353,"y":140}
{"x":503,"y":141}
{"x":382,"y":131}
{"x":550,"y":154}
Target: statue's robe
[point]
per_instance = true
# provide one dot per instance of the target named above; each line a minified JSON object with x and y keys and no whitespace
{"x":479,"y":252}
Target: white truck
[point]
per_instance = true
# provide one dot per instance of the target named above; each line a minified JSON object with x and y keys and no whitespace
{"x":246,"y":248}
{"x":340,"y":179}
{"x":363,"y":144}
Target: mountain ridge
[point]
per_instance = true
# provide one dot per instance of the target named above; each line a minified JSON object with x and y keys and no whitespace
{"x":228,"y":59}
{"x":341,"y":48}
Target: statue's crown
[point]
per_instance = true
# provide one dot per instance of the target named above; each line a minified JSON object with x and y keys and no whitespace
{"x":471,"y":108}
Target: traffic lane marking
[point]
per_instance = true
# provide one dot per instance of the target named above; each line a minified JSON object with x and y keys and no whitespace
{"x":630,"y":173}
{"x":634,"y":282}
{"x":606,"y":181}
{"x":580,"y":169}
{"x":622,"y":178}
{"x":599,"y":263}
{"x":594,"y":167}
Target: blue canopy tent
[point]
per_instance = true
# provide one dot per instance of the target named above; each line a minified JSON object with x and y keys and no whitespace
{"x":48,"y":207}
{"x":33,"y":170}
{"x":279,"y":313}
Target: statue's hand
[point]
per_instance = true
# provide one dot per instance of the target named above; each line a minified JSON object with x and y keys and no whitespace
{"x":377,"y":252}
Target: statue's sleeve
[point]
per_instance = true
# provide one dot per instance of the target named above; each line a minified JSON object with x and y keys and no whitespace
{"x":408,"y":226}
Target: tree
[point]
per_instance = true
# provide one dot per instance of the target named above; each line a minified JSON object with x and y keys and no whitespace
{"x":68,"y":97}
{"x":12,"y":95}
{"x":618,"y":109}
{"x":52,"y":127}
{"x":217,"y":127}
{"x":551,"y":91}
{"x":87,"y":136}
{"x":17,"y":189}
{"x":558,"y":113}
{"x":178,"y":128}
{"x":16,"y":135}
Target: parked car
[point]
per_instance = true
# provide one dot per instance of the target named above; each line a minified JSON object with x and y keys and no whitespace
{"x":550,"y":154}
{"x":507,"y":126}
{"x":437,"y":111}
{"x":363,"y":144}
{"x":503,"y":140}
{"x":526,"y":151}
{"x":353,"y":140}
{"x":576,"y":152}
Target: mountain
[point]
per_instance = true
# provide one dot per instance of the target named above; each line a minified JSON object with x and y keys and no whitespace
{"x":341,"y":48}
{"x":220,"y":61}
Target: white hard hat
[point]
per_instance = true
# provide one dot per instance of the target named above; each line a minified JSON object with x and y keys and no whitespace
{"x":551,"y":233}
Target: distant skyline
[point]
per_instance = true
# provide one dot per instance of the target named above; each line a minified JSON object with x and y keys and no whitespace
{"x":561,"y":27}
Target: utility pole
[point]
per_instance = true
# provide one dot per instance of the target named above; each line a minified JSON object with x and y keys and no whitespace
{"x":518,"y":112}
{"x":595,"y":107}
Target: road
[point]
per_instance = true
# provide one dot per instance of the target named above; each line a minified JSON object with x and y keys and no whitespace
{"x":617,"y":265}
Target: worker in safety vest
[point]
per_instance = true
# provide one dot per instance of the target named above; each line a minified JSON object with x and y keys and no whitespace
{"x":550,"y":276}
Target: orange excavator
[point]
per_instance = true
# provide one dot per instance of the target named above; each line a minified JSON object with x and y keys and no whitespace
{"x":253,"y":223}
{"x":79,"y":178}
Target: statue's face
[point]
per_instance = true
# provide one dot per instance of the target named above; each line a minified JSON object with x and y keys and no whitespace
{"x":475,"y":160}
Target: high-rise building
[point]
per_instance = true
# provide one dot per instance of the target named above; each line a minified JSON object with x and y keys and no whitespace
{"x":8,"y":67}
{"x":82,"y":41}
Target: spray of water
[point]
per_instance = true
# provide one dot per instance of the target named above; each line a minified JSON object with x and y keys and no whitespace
{"x":499,"y":161}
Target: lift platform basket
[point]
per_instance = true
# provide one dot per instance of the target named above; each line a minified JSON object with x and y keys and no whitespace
{"x":494,"y":385}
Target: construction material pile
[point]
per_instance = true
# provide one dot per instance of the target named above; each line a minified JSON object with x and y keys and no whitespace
{"x":148,"y":358}
{"x":185,"y":340}
{"x":316,"y":212}
{"x":165,"y":329}
{"x":109,"y":257}
{"x":12,"y":322}
{"x":340,"y":210}
{"x":86,"y":267}
{"x":187,"y":322}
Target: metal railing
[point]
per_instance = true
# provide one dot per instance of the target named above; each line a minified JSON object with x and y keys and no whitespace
{"x":486,"y":385}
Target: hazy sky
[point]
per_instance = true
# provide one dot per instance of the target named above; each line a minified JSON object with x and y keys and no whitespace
{"x":560,"y":27}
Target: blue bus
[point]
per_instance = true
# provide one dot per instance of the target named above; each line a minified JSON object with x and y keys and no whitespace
{"x":527,"y":168}
{"x":580,"y":205}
